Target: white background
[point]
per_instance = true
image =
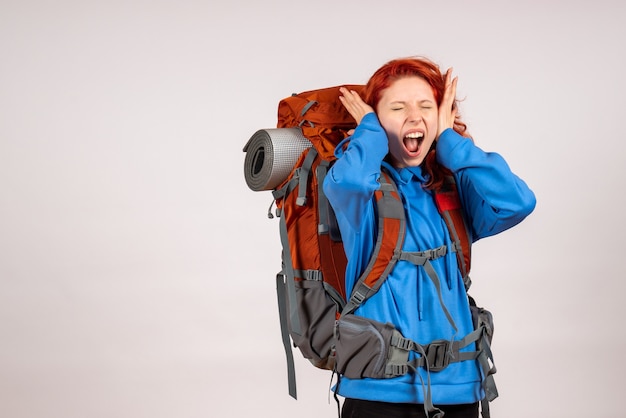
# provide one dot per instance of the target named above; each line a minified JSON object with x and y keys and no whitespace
{"x":137,"y":269}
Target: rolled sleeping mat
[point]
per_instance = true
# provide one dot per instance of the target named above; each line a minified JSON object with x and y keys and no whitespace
{"x":271,"y":155}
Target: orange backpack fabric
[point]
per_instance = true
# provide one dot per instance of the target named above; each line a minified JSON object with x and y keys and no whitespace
{"x":321,"y":116}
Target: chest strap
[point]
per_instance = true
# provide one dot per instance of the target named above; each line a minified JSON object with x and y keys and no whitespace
{"x":423,"y":258}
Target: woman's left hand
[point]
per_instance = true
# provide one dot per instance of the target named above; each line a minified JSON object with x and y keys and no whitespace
{"x":447,"y":108}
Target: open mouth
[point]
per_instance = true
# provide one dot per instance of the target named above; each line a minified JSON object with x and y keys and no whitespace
{"x":413,"y":141}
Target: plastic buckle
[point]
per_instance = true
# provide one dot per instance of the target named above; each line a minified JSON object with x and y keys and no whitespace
{"x":438,"y":355}
{"x":395,"y":370}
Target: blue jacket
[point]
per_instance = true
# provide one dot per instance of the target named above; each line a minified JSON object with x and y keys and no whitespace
{"x":494,"y":199}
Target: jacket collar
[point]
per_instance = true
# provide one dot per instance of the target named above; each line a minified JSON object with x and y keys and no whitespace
{"x":405,"y":175}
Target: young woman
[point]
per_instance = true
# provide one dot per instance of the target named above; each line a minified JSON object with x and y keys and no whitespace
{"x":408,"y":123}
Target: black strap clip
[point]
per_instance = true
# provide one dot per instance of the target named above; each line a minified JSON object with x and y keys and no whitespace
{"x":438,"y":355}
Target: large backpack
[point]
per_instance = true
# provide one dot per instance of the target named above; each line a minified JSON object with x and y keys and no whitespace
{"x":315,"y":312}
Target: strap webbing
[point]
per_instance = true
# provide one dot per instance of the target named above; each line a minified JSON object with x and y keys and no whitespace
{"x":305,"y":171}
{"x":307,"y":107}
{"x":284,"y":331}
{"x":323,"y":226}
{"x":294,"y":317}
{"x":423,"y":258}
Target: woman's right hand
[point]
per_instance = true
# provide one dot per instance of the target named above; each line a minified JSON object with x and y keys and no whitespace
{"x":354,"y":104}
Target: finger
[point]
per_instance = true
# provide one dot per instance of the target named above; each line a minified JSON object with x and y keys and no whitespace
{"x":354,"y":97}
{"x":448,"y":76}
{"x":348,"y":98}
{"x":455,"y":80}
{"x":345,"y":95}
{"x":452,"y":89}
{"x":349,"y":103}
{"x":449,"y":95}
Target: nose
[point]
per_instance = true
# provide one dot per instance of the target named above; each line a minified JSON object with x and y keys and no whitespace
{"x":414,"y":114}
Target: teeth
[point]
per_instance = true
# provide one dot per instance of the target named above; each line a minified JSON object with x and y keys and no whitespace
{"x":415,"y":135}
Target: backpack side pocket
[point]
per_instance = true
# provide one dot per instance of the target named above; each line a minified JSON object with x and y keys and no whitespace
{"x":317,"y":311}
{"x":364,"y":349}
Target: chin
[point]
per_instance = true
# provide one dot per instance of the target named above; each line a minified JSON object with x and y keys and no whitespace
{"x":414,"y":162}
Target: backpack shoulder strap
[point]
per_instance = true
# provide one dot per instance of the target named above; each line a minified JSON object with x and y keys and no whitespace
{"x":449,"y":206}
{"x":390,"y":237}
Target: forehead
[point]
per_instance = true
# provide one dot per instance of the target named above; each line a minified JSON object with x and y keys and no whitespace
{"x":407,"y":89}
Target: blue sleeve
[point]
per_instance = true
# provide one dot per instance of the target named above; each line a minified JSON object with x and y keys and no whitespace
{"x":353,"y":179}
{"x":494,"y":198}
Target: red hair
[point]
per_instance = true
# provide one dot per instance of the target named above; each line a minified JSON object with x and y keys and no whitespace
{"x":429,"y":71}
